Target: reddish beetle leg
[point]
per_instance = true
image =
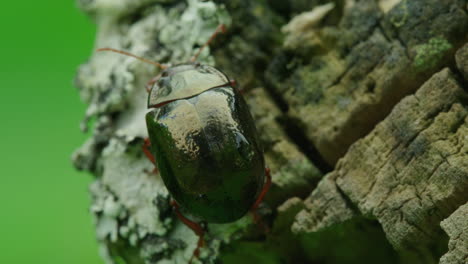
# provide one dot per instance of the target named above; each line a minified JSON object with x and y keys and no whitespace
{"x":266,"y":187}
{"x":148,"y":154}
{"x":150,"y":83}
{"x":233,"y":84}
{"x":196,"y":227}
{"x":220,"y":29}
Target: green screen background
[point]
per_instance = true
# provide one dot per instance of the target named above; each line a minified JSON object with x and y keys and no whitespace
{"x":44,"y":215}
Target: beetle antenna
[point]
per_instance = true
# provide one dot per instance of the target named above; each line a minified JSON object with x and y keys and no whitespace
{"x":134,"y":56}
{"x":220,"y":29}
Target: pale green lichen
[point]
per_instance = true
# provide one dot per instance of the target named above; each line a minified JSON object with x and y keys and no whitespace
{"x":387,"y":5}
{"x":400,"y":15}
{"x":134,"y":221}
{"x":194,"y":26}
{"x":430,"y":53}
{"x":108,"y":81}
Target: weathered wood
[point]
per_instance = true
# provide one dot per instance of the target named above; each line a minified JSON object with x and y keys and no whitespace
{"x":456,"y":227}
{"x":409,"y":173}
{"x":462,"y":61}
{"x":342,"y":80}
{"x":292,"y":172}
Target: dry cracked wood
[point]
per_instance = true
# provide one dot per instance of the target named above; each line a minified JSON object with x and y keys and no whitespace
{"x":292,"y":171}
{"x":456,"y":227}
{"x":344,"y":79}
{"x":409,"y":173}
{"x":462,"y":60}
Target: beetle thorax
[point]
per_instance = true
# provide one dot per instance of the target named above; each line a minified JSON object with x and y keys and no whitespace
{"x":184,"y":81}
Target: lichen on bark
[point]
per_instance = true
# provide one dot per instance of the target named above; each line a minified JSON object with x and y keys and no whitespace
{"x":353,"y":89}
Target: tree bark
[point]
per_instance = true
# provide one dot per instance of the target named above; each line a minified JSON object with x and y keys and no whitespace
{"x":361,"y":106}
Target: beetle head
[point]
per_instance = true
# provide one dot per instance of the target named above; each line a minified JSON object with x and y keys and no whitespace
{"x":183,"y":81}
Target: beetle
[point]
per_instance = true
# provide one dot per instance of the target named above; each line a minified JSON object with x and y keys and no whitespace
{"x":203,"y":141}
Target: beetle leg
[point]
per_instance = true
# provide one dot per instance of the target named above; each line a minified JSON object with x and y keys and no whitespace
{"x":220,"y":29}
{"x":196,"y":227}
{"x":148,"y":154}
{"x":150,"y":83}
{"x":266,"y":187}
{"x":233,"y":84}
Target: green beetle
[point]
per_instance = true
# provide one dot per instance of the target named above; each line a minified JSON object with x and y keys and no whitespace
{"x":205,"y":143}
{"x":203,"y":140}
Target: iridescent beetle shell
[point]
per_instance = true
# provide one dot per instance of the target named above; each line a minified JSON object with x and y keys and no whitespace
{"x":205,"y":142}
{"x":183,"y":81}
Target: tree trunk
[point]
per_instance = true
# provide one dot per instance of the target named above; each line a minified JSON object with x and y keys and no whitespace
{"x":361,"y":107}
